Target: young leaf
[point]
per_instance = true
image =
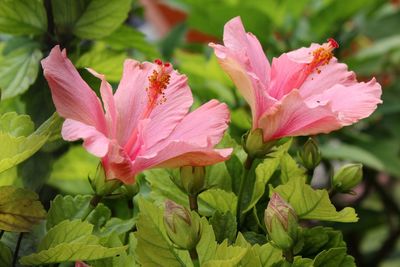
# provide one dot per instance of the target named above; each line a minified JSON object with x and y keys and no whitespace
{"x":70,"y":241}
{"x":18,"y":69}
{"x":100,"y":18}
{"x":20,"y":209}
{"x":313,"y":204}
{"x":153,"y":247}
{"x":20,"y":17}
{"x":334,"y":257}
{"x":16,"y":149}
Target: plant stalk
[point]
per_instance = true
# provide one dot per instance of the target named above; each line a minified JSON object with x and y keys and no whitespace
{"x":15,"y":257}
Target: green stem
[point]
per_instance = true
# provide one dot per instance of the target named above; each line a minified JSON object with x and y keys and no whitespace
{"x":1,"y":233}
{"x":15,"y":257}
{"x":93,"y":204}
{"x":193,"y":202}
{"x":247,"y":166}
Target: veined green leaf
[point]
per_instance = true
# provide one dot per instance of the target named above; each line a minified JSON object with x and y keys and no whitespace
{"x":5,"y":255}
{"x":334,"y":257}
{"x":20,"y":209}
{"x":70,"y":241}
{"x":313,"y":204}
{"x":22,"y":17}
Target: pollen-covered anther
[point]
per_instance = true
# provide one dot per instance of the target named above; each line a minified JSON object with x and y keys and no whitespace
{"x":322,"y":55}
{"x":158,"y":82}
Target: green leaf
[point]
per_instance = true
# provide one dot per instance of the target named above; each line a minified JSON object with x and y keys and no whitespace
{"x":207,"y":245}
{"x":20,"y":209}
{"x":334,"y":257}
{"x":5,"y":255}
{"x":290,"y":169}
{"x":16,"y":125}
{"x":153,"y":247}
{"x":20,"y":17}
{"x":235,"y":169}
{"x":14,"y":150}
{"x":258,"y":256}
{"x":70,"y":241}
{"x":320,"y":238}
{"x":101,"y":17}
{"x":126,"y":37}
{"x":18,"y":69}
{"x":217,"y":199}
{"x":226,"y":255}
{"x":224,"y":225}
{"x":104,"y":61}
{"x":313,"y":204}
{"x":71,"y":171}
{"x":117,"y":226}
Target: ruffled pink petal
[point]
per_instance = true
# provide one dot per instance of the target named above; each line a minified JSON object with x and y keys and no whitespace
{"x":243,"y":59}
{"x":108,"y":103}
{"x":180,"y":153}
{"x":353,"y":102}
{"x":131,"y":97}
{"x":72,"y":97}
{"x":118,"y":165}
{"x":166,"y":115}
{"x":293,"y":117}
{"x":94,"y":141}
{"x":329,"y":75}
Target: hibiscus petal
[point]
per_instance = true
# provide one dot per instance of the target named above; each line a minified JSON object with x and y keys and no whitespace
{"x":354,"y":102}
{"x":293,"y":117}
{"x":72,"y":96}
{"x":94,"y":141}
{"x":108,"y":102}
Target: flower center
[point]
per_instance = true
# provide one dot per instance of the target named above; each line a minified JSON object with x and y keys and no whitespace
{"x":159,"y":81}
{"x":322,"y":55}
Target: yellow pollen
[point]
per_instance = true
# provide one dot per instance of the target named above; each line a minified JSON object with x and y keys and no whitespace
{"x":159,"y":81}
{"x":322,"y":56}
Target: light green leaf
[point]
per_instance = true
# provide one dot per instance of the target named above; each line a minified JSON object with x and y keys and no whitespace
{"x":104,"y":61}
{"x":290,"y":169}
{"x":14,"y":150}
{"x":71,"y":171}
{"x":20,"y":17}
{"x":320,"y":238}
{"x":18,"y":69}
{"x":126,"y":37}
{"x":153,"y":247}
{"x":217,"y":199}
{"x":5,"y":255}
{"x":20,"y":209}
{"x":70,"y":241}
{"x":207,"y":245}
{"x":101,"y":17}
{"x":334,"y":257}
{"x":226,"y":255}
{"x":313,"y":204}
{"x":16,"y":125}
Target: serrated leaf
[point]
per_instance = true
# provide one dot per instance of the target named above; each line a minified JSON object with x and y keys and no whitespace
{"x":100,"y":18}
{"x":217,"y":199}
{"x":320,"y":238}
{"x":224,"y":225}
{"x":5,"y":255}
{"x":18,"y":70}
{"x":153,"y":247}
{"x":290,"y":169}
{"x":70,"y":241}
{"x":226,"y":255}
{"x":313,"y":204}
{"x":207,"y":245}
{"x":20,"y":209}
{"x":334,"y":257}
{"x":20,"y":17}
{"x":78,"y":207}
{"x":16,"y":149}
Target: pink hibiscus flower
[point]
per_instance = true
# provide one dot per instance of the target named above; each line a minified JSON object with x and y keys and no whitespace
{"x":303,"y":92}
{"x":145,"y":124}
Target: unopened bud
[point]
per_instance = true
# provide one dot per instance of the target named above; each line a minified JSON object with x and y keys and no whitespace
{"x":281,"y":222}
{"x":310,"y":155}
{"x":192,"y":179}
{"x":100,"y":185}
{"x":255,"y":146}
{"x":182,"y":226}
{"x":347,"y":177}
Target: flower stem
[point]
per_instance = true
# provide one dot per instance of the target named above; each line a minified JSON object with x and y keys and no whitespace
{"x":247,"y":166}
{"x":193,"y":202}
{"x":15,"y":257}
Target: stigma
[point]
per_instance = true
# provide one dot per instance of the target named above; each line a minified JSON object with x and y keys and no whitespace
{"x":158,"y":82}
{"x":322,"y":55}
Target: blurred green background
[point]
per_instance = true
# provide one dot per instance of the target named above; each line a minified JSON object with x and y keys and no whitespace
{"x":100,"y":34}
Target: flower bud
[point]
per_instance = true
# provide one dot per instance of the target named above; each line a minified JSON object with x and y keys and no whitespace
{"x":100,"y":185}
{"x":254,"y":144}
{"x":281,"y":222}
{"x":310,"y":155}
{"x":182,"y":226}
{"x":192,"y":179}
{"x":347,"y":177}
